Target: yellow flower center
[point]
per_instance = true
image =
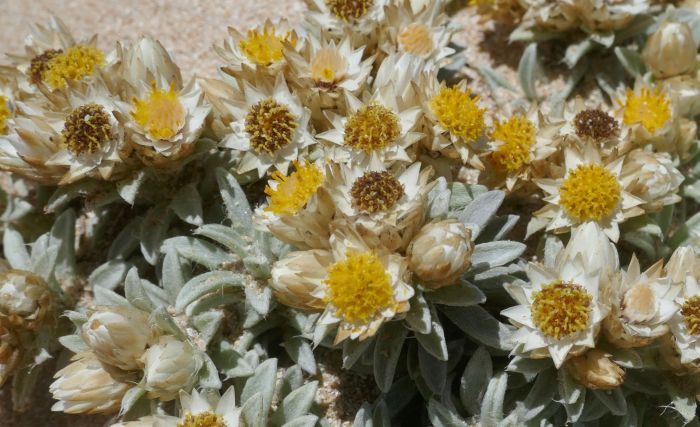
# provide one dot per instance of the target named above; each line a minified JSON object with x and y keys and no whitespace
{"x":328,"y":67}
{"x":376,"y":191}
{"x":294,"y":191}
{"x":40,"y":63}
{"x":590,"y":192}
{"x":516,"y":137}
{"x":651,"y":109}
{"x":75,"y":63}
{"x":359,"y":287}
{"x":160,"y":114}
{"x":203,"y":419}
{"x":691,"y":314}
{"x":271,"y":126}
{"x":595,"y":125}
{"x":266,"y":46}
{"x":416,"y":39}
{"x":372,"y":127}
{"x":349,"y":10}
{"x":561,"y":309}
{"x":458,"y":112}
{"x":5,"y":113}
{"x":86,"y":129}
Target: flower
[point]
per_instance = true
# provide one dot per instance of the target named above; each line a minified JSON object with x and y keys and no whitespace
{"x":652,"y":177}
{"x":560,"y":312}
{"x":604,"y":15}
{"x":589,"y":191}
{"x":683,"y":261}
{"x":596,"y":370}
{"x":26,"y":301}
{"x":641,"y":305}
{"x":359,"y":286}
{"x":584,"y":125}
{"x":198,"y":409}
{"x":118,"y":336}
{"x":170,"y":365}
{"x":670,"y":50}
{"x":299,"y":208}
{"x":377,"y":131}
{"x":84,"y":387}
{"x":270,"y":130}
{"x":440,"y":253}
{"x":361,"y":17}
{"x":386,"y":206}
{"x":685,"y":322}
{"x":648,"y":114}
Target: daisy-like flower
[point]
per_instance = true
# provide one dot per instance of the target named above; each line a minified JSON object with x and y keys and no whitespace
{"x":559,"y":313}
{"x":647,"y":114}
{"x":589,"y":191}
{"x":685,"y":323}
{"x":458,"y":122}
{"x":641,"y":305}
{"x":375,"y":132}
{"x":360,"y":286}
{"x":425,"y":34}
{"x":5,"y":114}
{"x":299,"y":208}
{"x":53,"y":57}
{"x":271,"y":127}
{"x":605,"y":15}
{"x":583,"y":125}
{"x":652,"y":177}
{"x":261,"y":48}
{"x":360,"y":17}
{"x":198,"y":409}
{"x":387,"y":207}
{"x":518,"y":147}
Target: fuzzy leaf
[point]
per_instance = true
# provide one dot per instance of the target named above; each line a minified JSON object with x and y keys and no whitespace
{"x":253,"y":411}
{"x":163,"y":320}
{"x":494,"y":254}
{"x":492,"y":406}
{"x":631,"y":61}
{"x":213,"y":281}
{"x":433,"y":370}
{"x":263,"y":382}
{"x":237,"y":206}
{"x":104,"y":296}
{"x":199,"y":251}
{"x":130,"y":398}
{"x":494,"y":79}
{"x":442,"y":416}
{"x":418,"y":316}
{"x":15,"y":249}
{"x":259,"y":299}
{"x":175,"y":274}
{"x":231,"y":363}
{"x":109,"y":275}
{"x":301,"y":353}
{"x":475,"y":378}
{"x":227,"y":237}
{"x":73,"y":343}
{"x":461,"y":295}
{"x":128,"y":188}
{"x":296,"y":404}
{"x":480,"y":325}
{"x":387,"y":349}
{"x":540,"y":394}
{"x":613,"y":399}
{"x":135,"y":292}
{"x":153,"y":231}
{"x":353,"y":350}
{"x":434,"y":341}
{"x":363,"y":416}
{"x":208,"y":325}
{"x":209,"y":375}
{"x":481,"y":210}
{"x":304,"y":421}
{"x":572,"y":394}
{"x":527,"y":71}
{"x":187,"y":204}
{"x":126,"y":241}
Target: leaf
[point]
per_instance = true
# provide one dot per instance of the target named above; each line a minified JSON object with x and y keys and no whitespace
{"x":481,"y":210}
{"x":480,"y":325}
{"x":166,"y":323}
{"x":231,"y":363}
{"x":253,"y":411}
{"x":153,"y":231}
{"x":259,"y":299}
{"x":63,"y":237}
{"x":433,"y":370}
{"x":263,"y":382}
{"x":126,"y":241}
{"x":213,"y":281}
{"x":527,"y":71}
{"x":227,"y":237}
{"x":130,"y":398}
{"x":576,"y":51}
{"x":540,"y":394}
{"x":73,"y":343}
{"x":301,"y":353}
{"x":15,"y":249}
{"x":296,"y":404}
{"x":475,"y":378}
{"x":128,"y":188}
{"x":207,"y":324}
{"x":209,"y":375}
{"x":104,"y":296}
{"x":199,"y":251}
{"x":353,"y":350}
{"x":305,"y":421}
{"x":613,"y":399}
{"x":187,"y":204}
{"x":387,"y":349}
{"x":418,"y":316}
{"x":135,"y":293}
{"x":237,"y":206}
{"x":175,"y":273}
{"x":109,"y":275}
{"x":463,"y":294}
{"x":572,"y":394}
{"x":434,"y":341}
{"x":492,"y":406}
{"x":494,"y":254}
{"x":494,"y":79}
{"x":441,"y":416}
{"x":631,"y":61}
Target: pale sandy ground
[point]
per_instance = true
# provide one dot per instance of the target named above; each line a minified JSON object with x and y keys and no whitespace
{"x":188,"y":29}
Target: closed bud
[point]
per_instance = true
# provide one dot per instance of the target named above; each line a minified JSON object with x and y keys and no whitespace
{"x":84,"y":387}
{"x":440,"y":253}
{"x":170,"y":366}
{"x":596,"y":370}
{"x":296,"y":276}
{"x":652,"y":177}
{"x":25,"y":299}
{"x":683,"y":261}
{"x":118,"y":336}
{"x":670,"y":50}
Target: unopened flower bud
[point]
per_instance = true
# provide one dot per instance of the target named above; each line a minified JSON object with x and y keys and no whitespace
{"x":84,"y":387}
{"x":596,"y":370}
{"x":170,"y":366}
{"x":670,"y":50}
{"x":25,"y":299}
{"x":118,"y":336}
{"x":296,"y":276}
{"x":652,"y":177}
{"x":440,"y":253}
{"x":683,"y":261}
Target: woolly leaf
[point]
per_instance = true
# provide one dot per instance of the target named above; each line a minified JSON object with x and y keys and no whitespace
{"x":213,"y":281}
{"x":491,"y":412}
{"x":460,"y":295}
{"x":433,"y":370}
{"x":418,"y":316}
{"x":494,"y":254}
{"x":480,"y":325}
{"x":442,"y":416}
{"x":15,"y":250}
{"x":481,"y":210}
{"x":387,"y":349}
{"x":303,"y":421}
{"x":296,"y":404}
{"x":109,"y":275}
{"x":476,"y":376}
{"x":199,"y":251}
{"x":262,"y":382}
{"x":187,"y":204}
{"x":527,"y":71}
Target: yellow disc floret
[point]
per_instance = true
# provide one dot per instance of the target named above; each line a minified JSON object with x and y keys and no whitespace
{"x":691,"y":314}
{"x":40,"y":63}
{"x":161,"y":114}
{"x":515,"y":136}
{"x":561,"y":309}
{"x":294,"y":191}
{"x":590,"y":192}
{"x":457,"y":111}
{"x":266,"y":46}
{"x":271,"y":126}
{"x":349,"y":10}
{"x":328,"y":66}
{"x":5,"y":113}
{"x":86,"y":129}
{"x":359,"y":287}
{"x":376,"y":192}
{"x":203,"y":419}
{"x":372,"y":127}
{"x":75,"y":63}
{"x":650,"y":108}
{"x":416,"y":39}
